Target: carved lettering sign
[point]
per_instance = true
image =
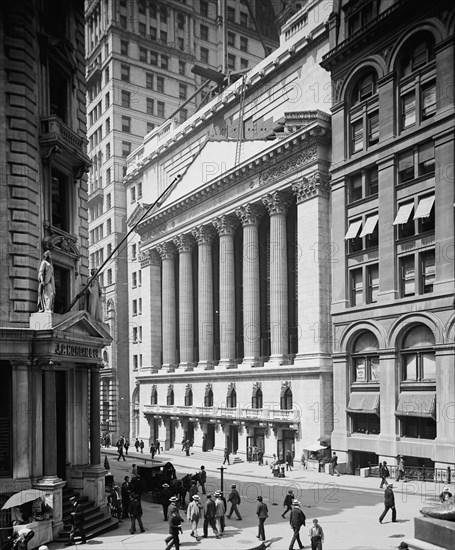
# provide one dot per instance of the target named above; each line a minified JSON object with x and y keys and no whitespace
{"x":76,"y":351}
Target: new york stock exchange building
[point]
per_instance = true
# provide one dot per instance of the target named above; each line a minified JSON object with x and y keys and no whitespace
{"x":230,"y":273}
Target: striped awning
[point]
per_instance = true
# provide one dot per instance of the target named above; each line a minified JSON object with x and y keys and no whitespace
{"x":403,"y":213}
{"x":363,"y":403}
{"x":353,"y":230}
{"x":421,"y":404}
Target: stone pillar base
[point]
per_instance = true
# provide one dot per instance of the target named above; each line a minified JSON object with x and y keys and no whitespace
{"x":93,"y":484}
{"x":278,"y":360}
{"x":53,"y":485}
{"x":204,"y":365}
{"x":187,"y":367}
{"x":168,"y":368}
{"x":251,"y":363}
{"x":41,"y":321}
{"x":225,"y":364}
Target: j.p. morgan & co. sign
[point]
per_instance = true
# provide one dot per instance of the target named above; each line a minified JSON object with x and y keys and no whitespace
{"x":76,"y":351}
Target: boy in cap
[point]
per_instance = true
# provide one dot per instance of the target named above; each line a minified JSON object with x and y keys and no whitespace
{"x":234,"y":499}
{"x":288,"y":500}
{"x":193,"y":514}
{"x":296,"y":520}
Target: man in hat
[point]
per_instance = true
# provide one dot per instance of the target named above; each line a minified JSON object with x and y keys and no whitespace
{"x":166,"y":494}
{"x":173,"y":505}
{"x":446,"y":494}
{"x":296,"y":520}
{"x":193,"y":514}
{"x":125,"y":492}
{"x":193,"y":489}
{"x":135,"y":511}
{"x":262,"y":513}
{"x":383,"y":474}
{"x":389,"y":502}
{"x":220,"y":510}
{"x":316,"y":536}
{"x":202,"y":479}
{"x":77,"y":522}
{"x":174,"y":529}
{"x":234,"y":499}
{"x":209,"y":518}
{"x":288,"y":500}
{"x":223,"y":517}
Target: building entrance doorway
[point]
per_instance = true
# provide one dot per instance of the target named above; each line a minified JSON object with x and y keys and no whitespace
{"x":232,"y":439}
{"x":189,"y":432}
{"x":171,"y":434}
{"x":209,"y":438}
{"x":255,"y":442}
{"x":285,"y":444}
{"x":154,"y":435}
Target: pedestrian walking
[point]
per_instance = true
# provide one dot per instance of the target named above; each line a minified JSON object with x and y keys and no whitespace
{"x":389,"y":503}
{"x":187,"y":447}
{"x":226,"y":456}
{"x":383,"y":474}
{"x":136,"y":486}
{"x":262,"y":513}
{"x":223,"y":517}
{"x":166,"y":494}
{"x":77,"y":522}
{"x":288,"y":500}
{"x":134,"y":470}
{"x":174,"y":530}
{"x":400,"y":474}
{"x":260,"y":457}
{"x":296,"y":520}
{"x":173,"y":506}
{"x":204,"y":443}
{"x":152,"y":450}
{"x":202,"y":479}
{"x":316,"y":536}
{"x":333,"y":465}
{"x":136,"y":444}
{"x":135,"y":512}
{"x":125,"y":492}
{"x":289,"y":460}
{"x":127,"y":446}
{"x":157,"y":446}
{"x":234,"y":499}
{"x":220,"y":510}
{"x":209,"y":518}
{"x":120,"y":450}
{"x":141,"y":446}
{"x":193,"y":489}
{"x":193,"y":514}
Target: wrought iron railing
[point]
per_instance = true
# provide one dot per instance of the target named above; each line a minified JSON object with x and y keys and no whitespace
{"x":416,"y":473}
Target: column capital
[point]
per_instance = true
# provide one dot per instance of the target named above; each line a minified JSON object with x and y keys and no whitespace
{"x":167,"y":251}
{"x":204,"y":234}
{"x":277,"y":202}
{"x":316,"y":185}
{"x":184,"y":242}
{"x":250,"y":214}
{"x":21,"y":364}
{"x":150,"y":257}
{"x":226,"y":224}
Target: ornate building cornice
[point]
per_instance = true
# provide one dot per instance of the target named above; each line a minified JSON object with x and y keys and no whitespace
{"x":288,"y":166}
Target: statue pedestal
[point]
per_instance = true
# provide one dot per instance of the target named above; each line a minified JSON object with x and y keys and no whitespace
{"x":41,"y":321}
{"x":438,"y":533}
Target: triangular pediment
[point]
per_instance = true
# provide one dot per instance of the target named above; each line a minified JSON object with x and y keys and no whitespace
{"x":81,"y":324}
{"x":137,"y":213}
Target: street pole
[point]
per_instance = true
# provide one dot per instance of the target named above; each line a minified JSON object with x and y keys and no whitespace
{"x":222,"y":468}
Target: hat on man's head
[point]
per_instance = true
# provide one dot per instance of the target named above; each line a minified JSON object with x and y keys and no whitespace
{"x":295,"y":503}
{"x":259,"y":498}
{"x":446,"y":489}
{"x":173,"y":499}
{"x":196,"y":497}
{"x":165,"y":485}
{"x":209,"y":496}
{"x":73,"y":499}
{"x":403,"y":546}
{"x":390,"y":486}
{"x":217,"y":493}
{"x":290,"y":492}
{"x":233,"y":486}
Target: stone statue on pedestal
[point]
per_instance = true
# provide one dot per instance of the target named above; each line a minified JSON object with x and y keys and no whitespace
{"x":46,"y":287}
{"x":94,"y":294}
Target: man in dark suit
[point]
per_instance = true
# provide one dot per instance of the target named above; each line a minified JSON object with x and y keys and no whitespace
{"x":209,"y":517}
{"x":296,"y":520}
{"x":166,"y":494}
{"x":389,"y":502}
{"x":77,"y":522}
{"x":262,"y":513}
{"x":234,"y":499}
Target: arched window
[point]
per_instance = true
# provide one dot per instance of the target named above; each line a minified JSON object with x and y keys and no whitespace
{"x":231,"y":398}
{"x":208,"y":398}
{"x":364,"y":113}
{"x":417,"y":81}
{"x":256,"y":399}
{"x":286,"y":399}
{"x":418,"y":361}
{"x":170,"y":396}
{"x":365,"y":359}
{"x":154,"y":397}
{"x":188,"y":397}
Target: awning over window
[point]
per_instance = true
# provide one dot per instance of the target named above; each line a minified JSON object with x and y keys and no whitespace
{"x":353,"y":230}
{"x":421,"y":404}
{"x":363,"y":403}
{"x":424,"y":207}
{"x":369,"y":226}
{"x":403,"y":213}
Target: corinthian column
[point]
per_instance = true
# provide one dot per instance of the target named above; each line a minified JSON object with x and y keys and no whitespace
{"x":277,"y":204}
{"x":184,"y":244}
{"x":250,"y":216}
{"x":167,"y":253}
{"x":155,"y":309}
{"x":204,"y":236}
{"x":24,"y":420}
{"x":225,"y":225}
{"x":95,"y":435}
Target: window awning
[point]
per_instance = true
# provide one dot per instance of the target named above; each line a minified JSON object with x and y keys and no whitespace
{"x":420,"y":404}
{"x":363,"y":403}
{"x":370,"y":225}
{"x":424,"y":207}
{"x":403,"y":213}
{"x":353,"y":230}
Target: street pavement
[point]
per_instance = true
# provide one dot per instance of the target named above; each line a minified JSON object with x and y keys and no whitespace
{"x":348,"y":507}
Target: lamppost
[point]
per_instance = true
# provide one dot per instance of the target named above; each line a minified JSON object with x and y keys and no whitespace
{"x":222,"y":468}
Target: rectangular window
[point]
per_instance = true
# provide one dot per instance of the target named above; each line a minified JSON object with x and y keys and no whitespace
{"x":418,"y":428}
{"x":141,"y":6}
{"x":372,"y":181}
{"x":231,"y":39}
{"x":244,"y":63}
{"x":183,"y":115}
{"x":126,"y":98}
{"x":356,"y":287}
{"x":407,"y":276}
{"x":123,"y":22}
{"x":373,"y":283}
{"x":182,"y":91}
{"x":152,"y":33}
{"x":133,"y":251}
{"x":140,"y":278}
{"x":139,"y":304}
{"x":106,"y":75}
{"x":143,"y":54}
{"x":163,"y":37}
{"x":355,"y":188}
{"x":373,"y":128}
{"x":160,"y":109}
{"x":428,"y":100}
{"x":125,"y":73}
{"x":108,"y":226}
{"x":153,"y":58}
{"x":426,"y":159}
{"x":139,"y":190}
{"x":428,"y":272}
{"x":204,"y":8}
{"x":109,"y":276}
{"x":108,"y":125}
{"x":204,"y":32}
{"x":149,"y":81}
{"x":108,"y":176}
{"x":126,"y":124}
{"x":231,"y":61}
{"x":204,"y":55}
{"x":150,"y":126}
{"x":107,"y":100}
{"x":124,"y":47}
{"x":164,"y":62}
{"x":408,"y":110}
{"x":181,"y":44}
{"x":150,"y":106}
{"x":406,"y":167}
{"x":135,"y":362}
{"x":244,"y":19}
{"x":231,"y":14}
{"x":357,"y":136}
{"x":126,"y":148}
{"x":108,"y":207}
{"x":163,"y":14}
{"x":142,"y":29}
{"x":182,"y":67}
{"x":133,"y":194}
{"x":243,"y":44}
{"x":108,"y":151}
{"x":160,"y":84}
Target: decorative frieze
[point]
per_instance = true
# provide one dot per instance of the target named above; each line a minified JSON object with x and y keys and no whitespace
{"x":284,"y":168}
{"x":307,"y":188}
{"x":250,"y":214}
